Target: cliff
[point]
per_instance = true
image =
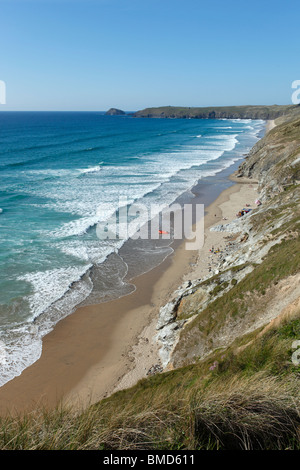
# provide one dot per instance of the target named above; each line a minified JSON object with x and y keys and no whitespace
{"x":228,"y":340}
{"x":275,"y":159}
{"x":224,"y":112}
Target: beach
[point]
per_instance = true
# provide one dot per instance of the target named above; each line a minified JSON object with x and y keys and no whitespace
{"x":87,"y":324}
{"x":149,"y":229}
{"x":103,"y":348}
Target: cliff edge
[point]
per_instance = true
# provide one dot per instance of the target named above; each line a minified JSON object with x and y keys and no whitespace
{"x":115,"y":112}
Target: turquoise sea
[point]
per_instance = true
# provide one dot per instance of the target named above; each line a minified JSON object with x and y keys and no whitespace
{"x":56,"y":171}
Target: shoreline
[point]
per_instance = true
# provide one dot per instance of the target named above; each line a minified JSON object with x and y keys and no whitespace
{"x":97,"y":350}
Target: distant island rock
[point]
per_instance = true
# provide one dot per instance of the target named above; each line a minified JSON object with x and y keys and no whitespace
{"x":115,"y":112}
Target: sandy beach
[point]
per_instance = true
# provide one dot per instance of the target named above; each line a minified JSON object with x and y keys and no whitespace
{"x":106,"y":347}
{"x":227,"y":206}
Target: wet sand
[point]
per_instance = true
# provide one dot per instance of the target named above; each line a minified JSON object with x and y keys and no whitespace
{"x":102,"y":348}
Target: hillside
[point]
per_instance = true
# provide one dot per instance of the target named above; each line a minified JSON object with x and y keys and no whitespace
{"x":223,"y":112}
{"x":231,"y":377}
{"x":115,"y":112}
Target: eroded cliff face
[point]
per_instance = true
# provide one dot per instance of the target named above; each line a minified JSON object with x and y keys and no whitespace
{"x":275,"y":160}
{"x":259,"y":278}
{"x":115,"y":112}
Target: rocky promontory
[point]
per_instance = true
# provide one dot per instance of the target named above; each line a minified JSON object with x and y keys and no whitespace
{"x":115,"y":112}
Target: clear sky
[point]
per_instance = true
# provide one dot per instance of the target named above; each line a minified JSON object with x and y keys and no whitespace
{"x":130,"y":54}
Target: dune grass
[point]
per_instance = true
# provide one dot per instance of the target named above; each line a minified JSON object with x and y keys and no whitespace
{"x":247,"y":400}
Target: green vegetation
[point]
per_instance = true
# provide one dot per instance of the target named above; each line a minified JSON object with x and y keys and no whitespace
{"x":232,"y":400}
{"x":243,"y":396}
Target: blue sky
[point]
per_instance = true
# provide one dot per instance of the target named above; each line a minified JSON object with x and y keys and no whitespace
{"x":95,"y":54}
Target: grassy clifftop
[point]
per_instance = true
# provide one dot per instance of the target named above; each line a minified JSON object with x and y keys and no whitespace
{"x":234,"y":382}
{"x":275,"y":159}
{"x":244,"y":397}
{"x":223,"y":112}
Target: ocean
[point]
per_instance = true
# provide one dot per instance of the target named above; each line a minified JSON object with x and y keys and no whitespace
{"x":63,"y":173}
